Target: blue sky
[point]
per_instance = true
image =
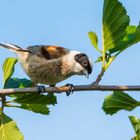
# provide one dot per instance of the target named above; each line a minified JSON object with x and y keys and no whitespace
{"x":66,"y":23}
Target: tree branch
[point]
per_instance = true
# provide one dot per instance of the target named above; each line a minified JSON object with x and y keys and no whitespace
{"x":61,"y":89}
{"x":3,"y":101}
{"x":99,"y":77}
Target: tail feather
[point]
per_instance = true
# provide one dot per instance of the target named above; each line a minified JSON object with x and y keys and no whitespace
{"x":13,"y":47}
{"x":10,"y":46}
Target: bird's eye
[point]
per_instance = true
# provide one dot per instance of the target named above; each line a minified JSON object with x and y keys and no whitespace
{"x":85,"y":63}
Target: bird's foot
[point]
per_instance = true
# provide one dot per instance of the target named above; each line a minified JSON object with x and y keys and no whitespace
{"x":41,"y":89}
{"x":71,"y":87}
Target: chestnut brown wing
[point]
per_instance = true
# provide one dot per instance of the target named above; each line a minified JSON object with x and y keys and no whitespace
{"x":48,"y":51}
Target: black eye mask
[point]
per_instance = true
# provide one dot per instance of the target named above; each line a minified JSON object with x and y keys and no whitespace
{"x":83,"y":60}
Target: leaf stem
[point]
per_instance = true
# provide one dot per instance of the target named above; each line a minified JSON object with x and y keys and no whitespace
{"x":111,"y":60}
{"x":109,"y":63}
{"x":138,"y":104}
{"x":103,"y":52}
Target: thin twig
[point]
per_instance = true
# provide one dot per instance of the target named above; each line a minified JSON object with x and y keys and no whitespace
{"x":61,"y":89}
{"x":99,"y":77}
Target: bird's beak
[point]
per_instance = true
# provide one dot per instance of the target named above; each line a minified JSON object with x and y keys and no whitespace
{"x":86,"y":74}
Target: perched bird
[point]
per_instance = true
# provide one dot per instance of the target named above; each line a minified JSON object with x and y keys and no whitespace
{"x":48,"y":64}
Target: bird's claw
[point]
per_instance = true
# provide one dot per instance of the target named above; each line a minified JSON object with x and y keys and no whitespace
{"x":41,"y":89}
{"x":71,"y":87}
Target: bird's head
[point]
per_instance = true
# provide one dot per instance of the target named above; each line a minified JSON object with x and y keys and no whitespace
{"x":80,"y":63}
{"x":83,"y":65}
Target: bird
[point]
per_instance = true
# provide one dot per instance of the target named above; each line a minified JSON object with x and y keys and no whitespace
{"x":51,"y":64}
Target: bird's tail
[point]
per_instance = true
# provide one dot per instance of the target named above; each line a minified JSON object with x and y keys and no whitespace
{"x":12,"y":47}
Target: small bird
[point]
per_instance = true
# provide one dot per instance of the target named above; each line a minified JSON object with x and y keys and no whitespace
{"x":50,"y":64}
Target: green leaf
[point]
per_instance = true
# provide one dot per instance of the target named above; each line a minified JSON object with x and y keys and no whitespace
{"x":110,"y":59}
{"x":48,"y":99}
{"x":94,"y":40}
{"x":32,"y":102}
{"x":8,"y":68}
{"x":36,"y":102}
{"x":18,"y":83}
{"x":131,"y":37}
{"x":136,"y":125}
{"x":99,"y":59}
{"x":37,"y":108}
{"x":29,"y":98}
{"x":115,"y":22}
{"x":9,"y":129}
{"x":117,"y":101}
{"x":137,"y":38}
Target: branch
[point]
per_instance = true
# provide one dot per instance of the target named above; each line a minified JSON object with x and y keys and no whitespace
{"x":99,"y":77}
{"x":3,"y":99}
{"x":61,"y":89}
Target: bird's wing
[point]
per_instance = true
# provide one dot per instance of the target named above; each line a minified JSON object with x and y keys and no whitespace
{"x":48,"y":51}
